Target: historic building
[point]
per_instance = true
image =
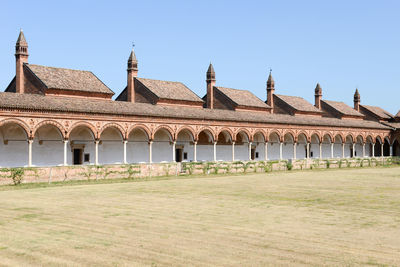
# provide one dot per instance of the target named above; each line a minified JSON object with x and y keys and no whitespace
{"x":56,"y":116}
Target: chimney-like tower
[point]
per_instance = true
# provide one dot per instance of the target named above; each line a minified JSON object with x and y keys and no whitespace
{"x":270,"y":91}
{"x":21,"y":57}
{"x":357,"y":100}
{"x":132,"y":73}
{"x":318,"y":96}
{"x":210,"y":86}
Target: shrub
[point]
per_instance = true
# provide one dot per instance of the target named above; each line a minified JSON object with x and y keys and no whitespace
{"x":289,"y":165}
{"x":17,"y":175}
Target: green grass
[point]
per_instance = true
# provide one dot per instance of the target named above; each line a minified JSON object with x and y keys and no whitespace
{"x":324,"y":217}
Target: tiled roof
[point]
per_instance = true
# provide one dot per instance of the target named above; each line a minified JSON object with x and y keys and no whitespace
{"x":67,"y":79}
{"x":298,"y":103}
{"x":117,"y":108}
{"x":398,"y":114}
{"x":343,"y":108}
{"x":243,"y":97}
{"x":170,"y":90}
{"x":381,"y":113}
{"x":395,"y":125}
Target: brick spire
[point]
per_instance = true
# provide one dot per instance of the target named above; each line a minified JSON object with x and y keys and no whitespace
{"x":357,"y":100}
{"x":21,"y":57}
{"x":210,"y":86}
{"x":132,"y":73}
{"x":318,"y":96}
{"x":270,"y":90}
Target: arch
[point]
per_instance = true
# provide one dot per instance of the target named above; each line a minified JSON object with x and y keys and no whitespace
{"x":369,"y":137}
{"x":206,"y":129}
{"x":277,"y":133}
{"x":329,"y":137}
{"x":18,"y":122}
{"x":261,"y":132}
{"x":116,"y":126}
{"x":243,"y":130}
{"x":340,"y":135}
{"x":360,"y":137}
{"x":329,"y":134}
{"x":379,"y":139}
{"x":225,"y":131}
{"x":291,"y":134}
{"x":166,"y":128}
{"x":302,"y":133}
{"x":351,"y":138}
{"x":317,"y":134}
{"x":56,"y":124}
{"x":305,"y":135}
{"x":141,"y":127}
{"x":185,"y":128}
{"x":91,"y":128}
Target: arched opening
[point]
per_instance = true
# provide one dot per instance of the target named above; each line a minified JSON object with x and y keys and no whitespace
{"x":386,"y":147}
{"x":368,"y":146}
{"x":337,"y":146}
{"x":359,"y":146}
{"x":184,"y":149}
{"x":348,"y":147}
{"x":288,"y":146}
{"x":378,"y":147}
{"x":396,"y":147}
{"x":13,"y":145}
{"x":162,"y":146}
{"x":326,"y":146}
{"x":111,"y":146}
{"x":81,"y":142}
{"x":274,"y":146}
{"x":259,"y":142}
{"x":224,"y":146}
{"x":205,"y":146}
{"x":301,"y":150}
{"x":48,"y":146}
{"x":242,"y":147}
{"x":314,"y":146}
{"x":137,"y":148}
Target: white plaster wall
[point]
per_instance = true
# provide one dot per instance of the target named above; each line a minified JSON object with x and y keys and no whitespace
{"x":287,"y":151}
{"x":301,"y":151}
{"x":14,"y":154}
{"x":49,"y":153}
{"x":111,"y":152}
{"x":241,"y":152}
{"x":162,"y":151}
{"x":260,"y":148}
{"x":224,"y":152}
{"x":137,"y":151}
{"x":273,"y":151}
{"x":188,"y":148}
{"x":205,"y":153}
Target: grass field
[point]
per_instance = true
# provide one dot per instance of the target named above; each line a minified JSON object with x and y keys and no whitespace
{"x":333,"y":217}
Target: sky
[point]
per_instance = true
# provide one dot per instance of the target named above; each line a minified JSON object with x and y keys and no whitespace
{"x":343,"y":45}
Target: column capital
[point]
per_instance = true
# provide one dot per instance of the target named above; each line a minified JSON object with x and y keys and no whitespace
{"x":30,"y":140}
{"x":65,"y":141}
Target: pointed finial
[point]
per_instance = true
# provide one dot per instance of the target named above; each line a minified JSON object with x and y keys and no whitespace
{"x":210,"y":68}
{"x":270,"y":81}
{"x":21,"y":38}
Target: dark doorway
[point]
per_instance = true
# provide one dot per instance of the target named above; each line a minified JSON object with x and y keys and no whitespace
{"x":178,"y":154}
{"x":253,"y":153}
{"x":77,"y":156}
{"x":396,"y":148}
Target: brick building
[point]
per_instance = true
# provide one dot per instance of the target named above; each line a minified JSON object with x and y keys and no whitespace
{"x":54,"y":116}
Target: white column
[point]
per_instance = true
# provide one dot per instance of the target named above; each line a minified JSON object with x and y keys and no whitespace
{"x":391,"y":151}
{"x":233,"y":151}
{"x":382,"y":150}
{"x":215,"y":150}
{"x":30,"y":141}
{"x":250,"y":143}
{"x":332,"y":144}
{"x":266,"y":151}
{"x":320,"y":150}
{"x":308,"y":150}
{"x":150,"y":151}
{"x":343,"y":150}
{"x":363,"y":150}
{"x":294,"y":150}
{"x":173,"y":151}
{"x":354,"y":150}
{"x":280,"y":150}
{"x":65,"y":151}
{"x":195,"y":151}
{"x":373,"y":150}
{"x":125,"y":142}
{"x":96,"y":149}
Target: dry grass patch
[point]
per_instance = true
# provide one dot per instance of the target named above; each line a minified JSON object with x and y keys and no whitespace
{"x":334,"y":217}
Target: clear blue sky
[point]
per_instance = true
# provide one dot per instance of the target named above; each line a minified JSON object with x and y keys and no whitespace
{"x":340,"y":44}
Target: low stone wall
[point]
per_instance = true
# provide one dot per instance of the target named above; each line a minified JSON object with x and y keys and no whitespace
{"x":138,"y":171}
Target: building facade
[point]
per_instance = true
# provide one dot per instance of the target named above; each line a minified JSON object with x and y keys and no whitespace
{"x":54,"y":116}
